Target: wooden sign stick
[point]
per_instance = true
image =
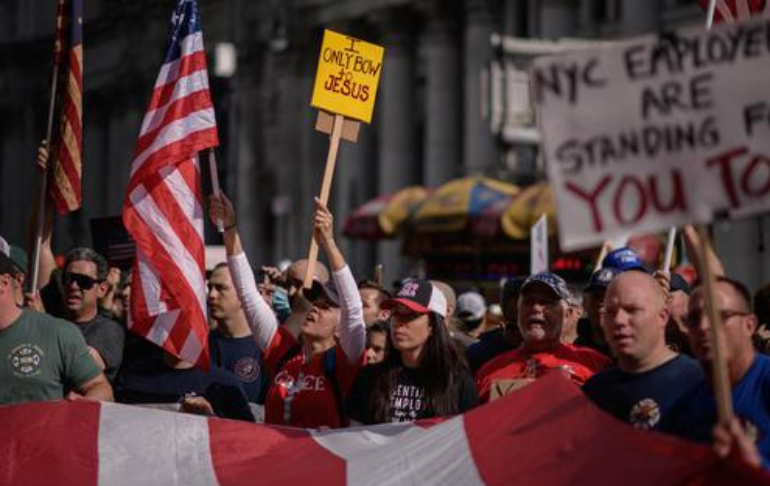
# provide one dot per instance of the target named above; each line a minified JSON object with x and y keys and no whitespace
{"x":331,"y":160}
{"x":666,"y":268}
{"x":720,"y":377}
{"x":602,"y":253}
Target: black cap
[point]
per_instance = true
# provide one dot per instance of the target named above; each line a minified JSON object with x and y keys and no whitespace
{"x":677,"y":282}
{"x":6,"y":266}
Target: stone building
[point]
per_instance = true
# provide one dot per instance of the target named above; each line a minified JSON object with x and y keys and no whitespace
{"x":430,"y":123}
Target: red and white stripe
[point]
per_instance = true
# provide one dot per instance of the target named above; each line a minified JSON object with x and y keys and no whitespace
{"x":546,"y":434}
{"x":163,"y":208}
{"x":734,"y":11}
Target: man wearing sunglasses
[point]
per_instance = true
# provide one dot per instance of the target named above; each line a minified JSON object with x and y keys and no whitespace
{"x":41,"y":358}
{"x":83,"y":285}
{"x":748,"y":371}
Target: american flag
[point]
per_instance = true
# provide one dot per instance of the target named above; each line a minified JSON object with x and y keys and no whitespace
{"x":734,"y":11}
{"x":67,"y":165}
{"x":163,"y":209}
{"x":547,"y":433}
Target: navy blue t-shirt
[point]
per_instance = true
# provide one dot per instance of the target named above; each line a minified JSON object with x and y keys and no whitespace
{"x":751,"y":402}
{"x":649,"y":400}
{"x":242,"y":357}
{"x":490,"y":344}
{"x":151,"y":381}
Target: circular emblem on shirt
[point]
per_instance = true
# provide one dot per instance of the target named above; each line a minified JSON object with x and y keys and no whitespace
{"x":247,"y":369}
{"x":26,"y":360}
{"x":645,"y":414}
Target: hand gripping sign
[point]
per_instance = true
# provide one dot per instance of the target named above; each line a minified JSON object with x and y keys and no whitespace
{"x":345,"y":85}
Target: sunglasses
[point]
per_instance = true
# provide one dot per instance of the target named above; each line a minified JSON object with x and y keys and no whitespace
{"x":693,"y":320}
{"x":84,"y":282}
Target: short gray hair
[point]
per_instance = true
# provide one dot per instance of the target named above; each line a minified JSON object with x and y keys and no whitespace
{"x":83,"y":254}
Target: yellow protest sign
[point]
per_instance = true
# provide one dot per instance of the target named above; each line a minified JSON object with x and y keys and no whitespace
{"x":348,"y":73}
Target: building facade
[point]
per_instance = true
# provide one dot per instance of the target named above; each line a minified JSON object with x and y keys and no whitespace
{"x":431,"y":122}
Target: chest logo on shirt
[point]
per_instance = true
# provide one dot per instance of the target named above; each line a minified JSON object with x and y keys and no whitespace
{"x":26,"y":360}
{"x":247,"y":369}
{"x":302,"y":383}
{"x":645,"y":414}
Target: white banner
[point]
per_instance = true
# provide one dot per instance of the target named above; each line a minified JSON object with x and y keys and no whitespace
{"x":538,"y":241}
{"x":657,"y":132}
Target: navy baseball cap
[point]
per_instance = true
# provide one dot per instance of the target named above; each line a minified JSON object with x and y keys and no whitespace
{"x":624,"y":259}
{"x":420,"y":296}
{"x":601,"y":278}
{"x":678,"y":283}
{"x":553,"y":281}
{"x":323,"y":289}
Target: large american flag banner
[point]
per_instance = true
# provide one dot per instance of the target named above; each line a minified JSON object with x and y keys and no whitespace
{"x":545,"y":434}
{"x":163,"y":208}
{"x":734,"y":11}
{"x":67,"y":166}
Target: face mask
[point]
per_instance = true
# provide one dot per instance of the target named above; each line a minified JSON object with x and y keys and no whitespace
{"x":281,"y":304}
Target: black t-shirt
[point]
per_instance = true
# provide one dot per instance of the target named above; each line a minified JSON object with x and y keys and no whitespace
{"x":108,"y":338}
{"x":151,"y":381}
{"x":648,"y":400}
{"x":242,"y":357}
{"x":407,"y":397}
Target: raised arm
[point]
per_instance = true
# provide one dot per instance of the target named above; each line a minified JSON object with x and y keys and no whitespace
{"x":352,"y":330}
{"x":47,"y":261}
{"x":701,"y":251}
{"x":259,"y":314}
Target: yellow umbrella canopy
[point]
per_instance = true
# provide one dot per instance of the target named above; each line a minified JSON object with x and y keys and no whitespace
{"x":382,"y":216}
{"x":450,"y":207}
{"x":526,"y":209}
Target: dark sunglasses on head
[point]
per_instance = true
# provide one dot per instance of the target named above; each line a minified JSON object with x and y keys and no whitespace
{"x":84,"y":282}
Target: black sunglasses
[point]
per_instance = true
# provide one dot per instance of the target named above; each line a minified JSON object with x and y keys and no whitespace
{"x":84,"y":282}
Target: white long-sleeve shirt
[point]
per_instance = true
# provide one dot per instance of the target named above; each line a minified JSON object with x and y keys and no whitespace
{"x":264,"y":324}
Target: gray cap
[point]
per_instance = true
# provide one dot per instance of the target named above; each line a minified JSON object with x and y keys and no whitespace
{"x":471,"y":306}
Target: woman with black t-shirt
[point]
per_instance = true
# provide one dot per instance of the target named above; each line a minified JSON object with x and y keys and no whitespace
{"x":423,"y":375}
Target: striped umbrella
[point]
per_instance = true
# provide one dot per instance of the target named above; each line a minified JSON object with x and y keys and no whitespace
{"x":453,"y":206}
{"x":383,"y":216}
{"x":526,"y":209}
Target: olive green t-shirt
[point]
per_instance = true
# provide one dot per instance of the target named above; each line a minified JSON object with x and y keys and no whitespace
{"x":41,"y":358}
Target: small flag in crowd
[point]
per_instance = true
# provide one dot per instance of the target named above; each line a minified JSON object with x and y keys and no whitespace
{"x":734,"y":11}
{"x":163,"y":207}
{"x":66,"y":168}
{"x":548,"y":433}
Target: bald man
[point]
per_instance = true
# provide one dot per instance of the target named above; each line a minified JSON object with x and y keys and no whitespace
{"x":648,"y":385}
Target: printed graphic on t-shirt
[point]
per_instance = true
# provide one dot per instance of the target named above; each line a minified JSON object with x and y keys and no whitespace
{"x":289,"y":388}
{"x":247,"y":369}
{"x":645,"y":414}
{"x":407,"y":402}
{"x":26,"y":360}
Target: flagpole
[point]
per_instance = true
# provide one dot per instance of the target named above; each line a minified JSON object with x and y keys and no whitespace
{"x":215,"y":185}
{"x":43,"y":184}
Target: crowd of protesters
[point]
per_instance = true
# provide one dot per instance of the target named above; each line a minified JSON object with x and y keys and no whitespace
{"x":341,"y":353}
